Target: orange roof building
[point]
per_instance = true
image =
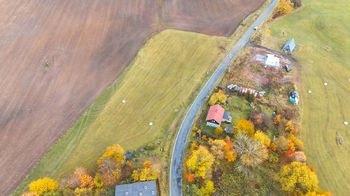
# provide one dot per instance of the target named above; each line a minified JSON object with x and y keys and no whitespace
{"x":215,"y":115}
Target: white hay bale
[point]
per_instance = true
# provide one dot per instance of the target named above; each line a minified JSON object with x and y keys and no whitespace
{"x":309,"y":91}
{"x":346,"y":123}
{"x":150,"y":123}
{"x":325,"y":83}
{"x":123,"y":101}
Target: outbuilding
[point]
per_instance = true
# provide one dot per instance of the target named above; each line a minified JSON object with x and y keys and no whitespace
{"x":146,"y":188}
{"x":215,"y":115}
{"x":289,"y":46}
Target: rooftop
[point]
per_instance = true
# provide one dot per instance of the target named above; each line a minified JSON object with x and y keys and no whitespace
{"x":147,"y":188}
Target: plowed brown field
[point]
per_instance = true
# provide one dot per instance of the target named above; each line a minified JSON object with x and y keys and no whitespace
{"x":56,"y":57}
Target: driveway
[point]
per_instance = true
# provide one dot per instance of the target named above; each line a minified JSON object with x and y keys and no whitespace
{"x":179,"y":146}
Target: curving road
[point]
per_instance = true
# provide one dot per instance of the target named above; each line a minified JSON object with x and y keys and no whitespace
{"x":179,"y":146}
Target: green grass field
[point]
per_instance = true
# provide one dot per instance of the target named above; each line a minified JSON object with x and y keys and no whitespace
{"x":164,"y":76}
{"x":322,"y":33}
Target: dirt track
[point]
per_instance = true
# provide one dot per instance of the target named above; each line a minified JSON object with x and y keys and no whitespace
{"x":87,"y":44}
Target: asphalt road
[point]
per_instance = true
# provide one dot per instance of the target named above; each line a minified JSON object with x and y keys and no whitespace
{"x":179,"y":146}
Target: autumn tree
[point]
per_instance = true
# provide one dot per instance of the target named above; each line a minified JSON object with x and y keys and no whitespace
{"x":298,"y":175}
{"x":282,"y":144}
{"x":208,"y":189}
{"x":246,"y":126}
{"x":217,"y":97}
{"x":200,"y":163}
{"x":110,"y":164}
{"x":80,"y":178}
{"x":217,"y":148}
{"x":98,"y":181}
{"x":147,"y":164}
{"x":250,"y":150}
{"x":284,"y":7}
{"x":189,"y":178}
{"x":263,"y":138}
{"x":43,"y":185}
{"x":299,"y":145}
{"x":147,"y":173}
{"x":277,"y":119}
{"x":115,"y":151}
{"x":230,"y":152}
{"x":110,"y":170}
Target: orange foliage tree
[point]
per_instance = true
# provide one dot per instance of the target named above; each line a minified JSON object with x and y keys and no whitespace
{"x":230,"y":152}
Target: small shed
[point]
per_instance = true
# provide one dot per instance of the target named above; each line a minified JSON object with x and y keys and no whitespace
{"x":227,"y":117}
{"x":146,"y":188}
{"x":272,"y":61}
{"x":289,"y":46}
{"x":229,"y":130}
{"x":215,"y":115}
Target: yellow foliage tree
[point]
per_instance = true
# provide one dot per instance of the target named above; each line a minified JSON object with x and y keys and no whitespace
{"x":43,"y":185}
{"x":284,"y":7}
{"x":217,"y":97}
{"x":115,"y":151}
{"x":208,"y":189}
{"x":298,"y":175}
{"x":200,"y":162}
{"x":246,"y":126}
{"x":263,"y":138}
{"x":217,"y":148}
{"x":147,"y":173}
{"x":299,"y":144}
{"x":98,"y":181}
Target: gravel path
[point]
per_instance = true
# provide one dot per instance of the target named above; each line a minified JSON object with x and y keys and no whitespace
{"x":179,"y":146}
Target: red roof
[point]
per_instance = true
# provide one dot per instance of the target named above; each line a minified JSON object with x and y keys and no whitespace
{"x":216,"y":112}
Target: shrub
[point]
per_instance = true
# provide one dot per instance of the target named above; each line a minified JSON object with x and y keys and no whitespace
{"x":273,"y":158}
{"x":98,"y":181}
{"x":43,"y":185}
{"x":299,"y":157}
{"x":218,"y":131}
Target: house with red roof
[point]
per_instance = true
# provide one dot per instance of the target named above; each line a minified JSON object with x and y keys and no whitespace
{"x":215,"y":115}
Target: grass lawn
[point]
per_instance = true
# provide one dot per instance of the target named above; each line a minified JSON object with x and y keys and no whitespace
{"x":322,"y":33}
{"x":158,"y":87}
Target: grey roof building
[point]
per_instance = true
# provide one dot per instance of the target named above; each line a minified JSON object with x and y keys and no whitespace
{"x":146,"y":188}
